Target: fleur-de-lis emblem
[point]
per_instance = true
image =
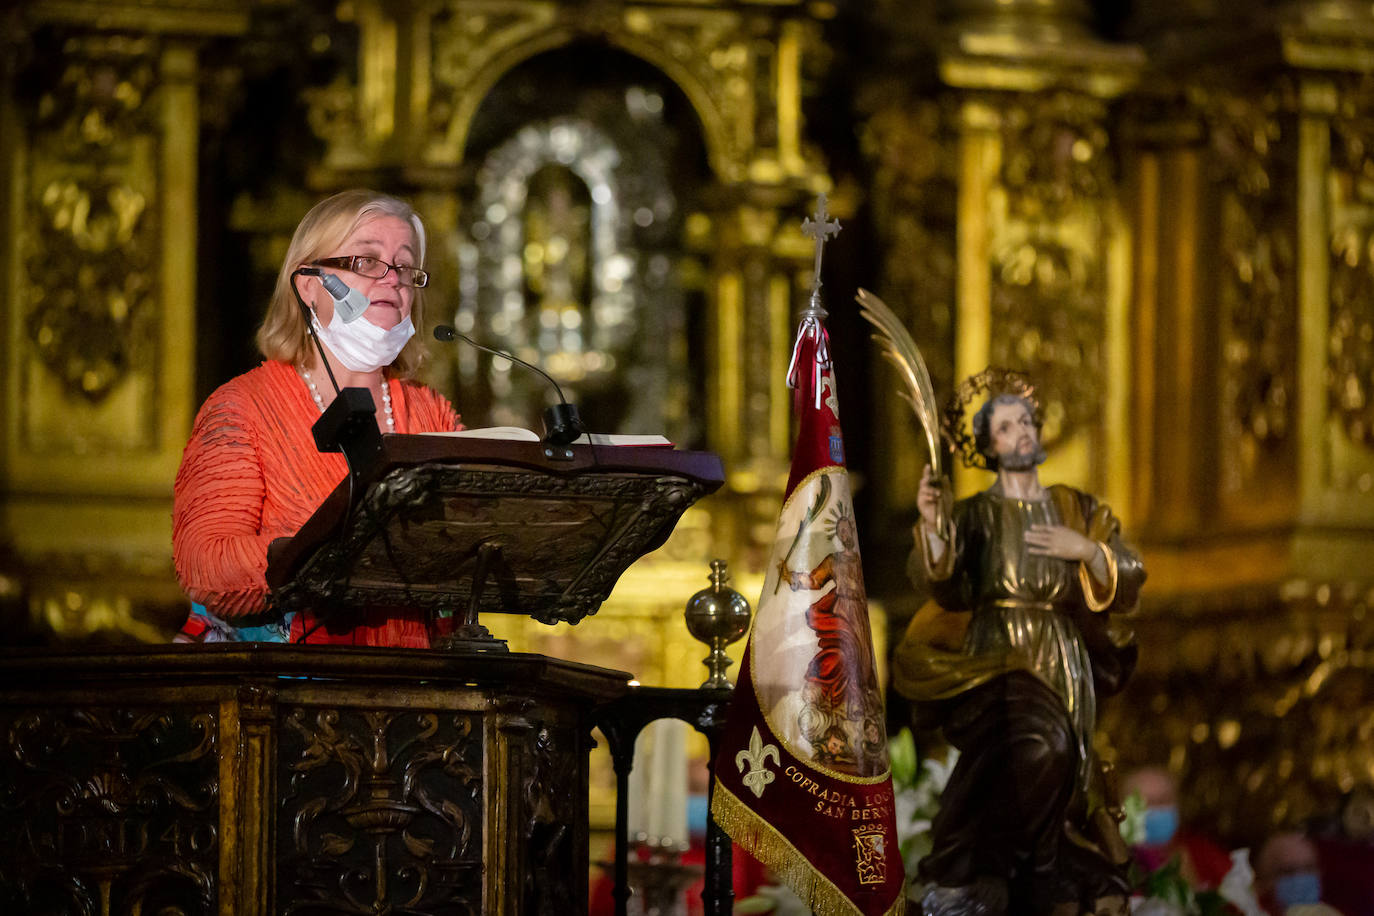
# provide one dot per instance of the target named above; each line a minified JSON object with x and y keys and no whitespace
{"x":756,"y":757}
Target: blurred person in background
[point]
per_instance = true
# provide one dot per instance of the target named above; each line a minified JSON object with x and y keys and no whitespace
{"x":1203,"y":863}
{"x":1288,"y":880}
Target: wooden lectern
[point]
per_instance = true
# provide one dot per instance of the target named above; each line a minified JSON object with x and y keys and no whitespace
{"x":253,"y":779}
{"x":461,"y":526}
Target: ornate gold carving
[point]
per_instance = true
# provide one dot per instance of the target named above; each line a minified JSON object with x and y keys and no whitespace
{"x":1049,"y":19}
{"x":1263,"y":711}
{"x":1252,"y":158}
{"x":1048,"y":274}
{"x":911,"y":148}
{"x":466,"y":37}
{"x":1350,"y":373}
{"x":334,"y":116}
{"x":1055,"y":154}
{"x":76,"y":611}
{"x":709,"y":55}
{"x":728,"y":78}
{"x":911,"y":145}
{"x":90,"y":260}
{"x":201,"y":17}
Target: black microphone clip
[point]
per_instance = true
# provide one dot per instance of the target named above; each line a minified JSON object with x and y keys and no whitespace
{"x":562,"y":425}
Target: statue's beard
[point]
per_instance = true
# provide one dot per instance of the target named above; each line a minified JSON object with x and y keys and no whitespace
{"x":1016,"y":461}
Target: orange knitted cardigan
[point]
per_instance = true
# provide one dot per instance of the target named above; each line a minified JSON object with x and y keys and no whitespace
{"x":251,"y":473}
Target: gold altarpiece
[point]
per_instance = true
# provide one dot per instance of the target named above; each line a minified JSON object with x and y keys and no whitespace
{"x":1166,"y":220}
{"x":1170,"y":231}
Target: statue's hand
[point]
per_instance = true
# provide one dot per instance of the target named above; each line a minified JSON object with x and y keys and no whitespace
{"x":928,"y":500}
{"x":1060,"y":542}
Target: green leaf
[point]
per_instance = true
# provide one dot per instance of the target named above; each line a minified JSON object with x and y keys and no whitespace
{"x":901,"y":751}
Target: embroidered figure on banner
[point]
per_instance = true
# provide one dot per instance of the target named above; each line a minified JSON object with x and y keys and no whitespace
{"x":759,"y":776}
{"x":870,"y":843}
{"x":841,"y":687}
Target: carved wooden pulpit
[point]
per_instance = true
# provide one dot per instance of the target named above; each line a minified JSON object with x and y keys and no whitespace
{"x":257,"y":778}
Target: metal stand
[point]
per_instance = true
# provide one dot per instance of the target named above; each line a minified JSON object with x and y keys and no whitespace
{"x":470,"y":633}
{"x":621,"y":721}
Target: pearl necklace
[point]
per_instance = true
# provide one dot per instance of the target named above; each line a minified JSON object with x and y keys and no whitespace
{"x":319,"y":398}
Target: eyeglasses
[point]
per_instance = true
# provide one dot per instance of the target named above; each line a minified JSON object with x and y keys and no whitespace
{"x":376,"y":268}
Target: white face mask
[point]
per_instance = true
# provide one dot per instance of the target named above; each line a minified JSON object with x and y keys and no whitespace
{"x":362,"y":346}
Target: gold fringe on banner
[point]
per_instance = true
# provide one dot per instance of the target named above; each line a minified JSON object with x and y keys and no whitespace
{"x":770,"y":847}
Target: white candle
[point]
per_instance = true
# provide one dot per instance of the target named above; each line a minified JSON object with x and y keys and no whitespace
{"x":637,"y":821}
{"x":667,"y":783}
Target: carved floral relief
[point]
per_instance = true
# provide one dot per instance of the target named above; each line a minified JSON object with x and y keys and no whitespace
{"x":125,"y":799}
{"x":90,"y":251}
{"x":1350,"y":342}
{"x":1049,"y":283}
{"x":381,"y":811}
{"x":1251,"y":156}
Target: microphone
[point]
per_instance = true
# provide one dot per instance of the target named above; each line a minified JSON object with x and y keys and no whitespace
{"x":561,"y":423}
{"x":348,"y":302}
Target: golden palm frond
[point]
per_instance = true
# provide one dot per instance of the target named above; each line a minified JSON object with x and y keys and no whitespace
{"x":903,"y":353}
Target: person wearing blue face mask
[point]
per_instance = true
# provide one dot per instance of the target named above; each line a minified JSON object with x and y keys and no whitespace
{"x":1161,"y":823}
{"x":1202,"y":863}
{"x":1288,"y":875}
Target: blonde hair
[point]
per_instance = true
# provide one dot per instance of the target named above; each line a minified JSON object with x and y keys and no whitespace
{"x":283,"y":335}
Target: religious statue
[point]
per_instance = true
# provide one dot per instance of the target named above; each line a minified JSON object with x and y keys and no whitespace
{"x":1023,"y":636}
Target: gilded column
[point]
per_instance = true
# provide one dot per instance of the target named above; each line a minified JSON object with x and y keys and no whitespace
{"x":101,"y":140}
{"x":1247,"y":160}
{"x":1041,"y":252}
{"x":759,"y":263}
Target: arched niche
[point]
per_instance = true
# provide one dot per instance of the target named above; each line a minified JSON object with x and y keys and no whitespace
{"x":570,"y":245}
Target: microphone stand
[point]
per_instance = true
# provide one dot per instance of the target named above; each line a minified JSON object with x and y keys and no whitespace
{"x":348,"y":425}
{"x":561,"y":421}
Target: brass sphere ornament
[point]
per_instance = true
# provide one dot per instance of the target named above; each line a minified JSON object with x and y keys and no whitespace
{"x":717,"y":616}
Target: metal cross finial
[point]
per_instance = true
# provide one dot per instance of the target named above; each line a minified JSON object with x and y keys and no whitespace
{"x":820,"y":228}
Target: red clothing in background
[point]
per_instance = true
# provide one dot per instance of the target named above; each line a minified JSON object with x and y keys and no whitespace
{"x":1347,"y":869}
{"x":1202,"y":862}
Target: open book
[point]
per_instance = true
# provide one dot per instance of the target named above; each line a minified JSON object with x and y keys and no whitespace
{"x":525,"y":435}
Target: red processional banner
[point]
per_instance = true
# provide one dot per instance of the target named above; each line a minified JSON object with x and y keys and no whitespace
{"x":802,"y":775}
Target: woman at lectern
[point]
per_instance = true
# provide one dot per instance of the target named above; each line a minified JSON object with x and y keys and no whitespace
{"x":251,"y":473}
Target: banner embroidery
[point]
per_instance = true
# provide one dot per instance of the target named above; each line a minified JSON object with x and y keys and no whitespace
{"x":869,"y":854}
{"x":759,"y":776}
